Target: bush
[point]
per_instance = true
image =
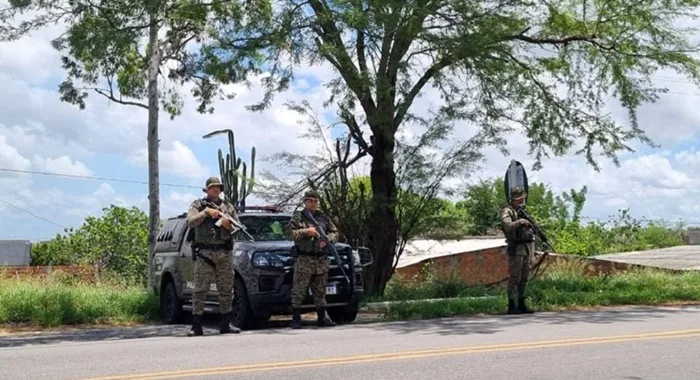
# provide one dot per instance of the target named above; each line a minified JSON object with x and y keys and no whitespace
{"x":427,"y":286}
{"x":64,"y":300}
{"x":562,"y":287}
{"x":559,"y":215}
{"x":116,"y":244}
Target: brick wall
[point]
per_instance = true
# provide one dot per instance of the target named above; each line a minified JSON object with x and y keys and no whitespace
{"x":480,"y":267}
{"x":85,"y":273}
{"x":489,"y":266}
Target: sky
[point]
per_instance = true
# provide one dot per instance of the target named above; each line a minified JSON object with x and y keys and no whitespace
{"x":39,"y":133}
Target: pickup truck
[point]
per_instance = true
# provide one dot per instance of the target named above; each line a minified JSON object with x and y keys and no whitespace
{"x":263,"y":269}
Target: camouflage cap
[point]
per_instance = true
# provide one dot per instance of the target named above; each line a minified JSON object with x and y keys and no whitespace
{"x":311,"y":194}
{"x":516,"y":193}
{"x":213,"y":181}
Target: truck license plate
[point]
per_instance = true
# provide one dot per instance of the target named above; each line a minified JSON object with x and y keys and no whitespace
{"x":330,"y":290}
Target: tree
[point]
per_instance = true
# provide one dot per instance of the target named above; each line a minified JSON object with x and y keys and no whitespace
{"x":543,"y":68}
{"x":420,"y":177}
{"x":115,"y":242}
{"x":484,"y":199}
{"x":119,"y":49}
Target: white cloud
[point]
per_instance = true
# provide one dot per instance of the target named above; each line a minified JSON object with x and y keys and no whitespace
{"x":178,"y":160}
{"x":10,"y":157}
{"x":60,"y":165}
{"x":39,"y":132}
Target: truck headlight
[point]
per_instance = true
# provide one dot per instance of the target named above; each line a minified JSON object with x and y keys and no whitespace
{"x":271,"y":260}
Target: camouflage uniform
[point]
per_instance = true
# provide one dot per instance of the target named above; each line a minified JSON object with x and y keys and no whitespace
{"x":213,"y":246}
{"x":521,"y":246}
{"x":312,"y":264}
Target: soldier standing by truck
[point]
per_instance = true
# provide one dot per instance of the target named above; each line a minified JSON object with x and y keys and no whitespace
{"x":213,"y":252}
{"x":311,"y":265}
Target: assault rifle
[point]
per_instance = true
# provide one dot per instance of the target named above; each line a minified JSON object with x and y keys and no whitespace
{"x":237,"y":225}
{"x":328,"y":241}
{"x":522,"y":213}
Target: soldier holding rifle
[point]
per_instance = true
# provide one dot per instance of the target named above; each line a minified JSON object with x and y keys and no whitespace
{"x":213,"y":222}
{"x":312,"y":263}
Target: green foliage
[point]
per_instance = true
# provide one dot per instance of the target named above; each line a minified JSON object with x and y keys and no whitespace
{"x":549,"y":67}
{"x":559,"y":215}
{"x":115,"y":244}
{"x":428,"y":286}
{"x":55,"y":301}
{"x":560,"y":288}
{"x":106,"y":47}
{"x":419,"y":216}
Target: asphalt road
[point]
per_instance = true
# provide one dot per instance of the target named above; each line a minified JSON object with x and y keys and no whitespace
{"x":628,"y":343}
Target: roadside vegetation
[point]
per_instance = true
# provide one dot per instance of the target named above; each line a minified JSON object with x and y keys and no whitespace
{"x":560,"y":215}
{"x":65,"y":300}
{"x":114,"y":245}
{"x":560,"y":287}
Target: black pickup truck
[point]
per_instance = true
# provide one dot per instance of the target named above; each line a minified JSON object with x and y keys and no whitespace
{"x":263,"y":271}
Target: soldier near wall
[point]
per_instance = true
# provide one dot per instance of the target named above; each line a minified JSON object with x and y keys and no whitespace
{"x":213,"y":252}
{"x":520,"y":237}
{"x":312,"y":263}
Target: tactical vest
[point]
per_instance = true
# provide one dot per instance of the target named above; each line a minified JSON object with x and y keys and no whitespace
{"x":308,"y":245}
{"x":207,"y":232}
{"x":522,"y":234}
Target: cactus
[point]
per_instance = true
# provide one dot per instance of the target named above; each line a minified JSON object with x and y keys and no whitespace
{"x":232,"y":168}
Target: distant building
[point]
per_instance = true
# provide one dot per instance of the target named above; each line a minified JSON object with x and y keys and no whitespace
{"x":15,"y":252}
{"x":693,"y":236}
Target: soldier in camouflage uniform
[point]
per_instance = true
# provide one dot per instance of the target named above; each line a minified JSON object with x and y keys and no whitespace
{"x":213,"y":246}
{"x":521,"y":245}
{"x":312,"y":264}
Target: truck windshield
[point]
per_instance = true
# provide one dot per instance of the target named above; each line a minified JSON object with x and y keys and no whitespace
{"x":264,"y":227}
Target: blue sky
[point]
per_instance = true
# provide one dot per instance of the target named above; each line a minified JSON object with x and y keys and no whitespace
{"x":39,"y":133}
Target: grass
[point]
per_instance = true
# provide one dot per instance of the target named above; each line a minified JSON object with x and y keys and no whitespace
{"x":561,"y":288}
{"x":55,"y":301}
{"x":59,"y":300}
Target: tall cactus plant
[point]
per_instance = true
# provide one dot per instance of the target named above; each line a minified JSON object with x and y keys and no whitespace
{"x":234,"y":172}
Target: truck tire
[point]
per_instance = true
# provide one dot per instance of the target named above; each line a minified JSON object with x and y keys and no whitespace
{"x":344,"y":314}
{"x":241,"y":313}
{"x":170,"y":304}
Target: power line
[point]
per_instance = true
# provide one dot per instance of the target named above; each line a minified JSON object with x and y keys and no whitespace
{"x":32,"y":214}
{"x":93,"y":178}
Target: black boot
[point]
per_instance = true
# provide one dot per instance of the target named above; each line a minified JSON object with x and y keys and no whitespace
{"x":511,"y":307}
{"x":296,"y":319}
{"x":522,"y":307}
{"x":196,"y":329}
{"x":321,"y":320}
{"x":225,"y":326}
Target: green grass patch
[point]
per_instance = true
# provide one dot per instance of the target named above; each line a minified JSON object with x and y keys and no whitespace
{"x":560,"y":288}
{"x":63,"y":301}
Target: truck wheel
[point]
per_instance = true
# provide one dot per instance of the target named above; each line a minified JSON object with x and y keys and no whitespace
{"x":241,"y":312}
{"x":170,"y":304}
{"x":344,"y":314}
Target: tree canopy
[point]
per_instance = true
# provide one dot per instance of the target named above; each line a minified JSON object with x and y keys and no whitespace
{"x":545,"y":69}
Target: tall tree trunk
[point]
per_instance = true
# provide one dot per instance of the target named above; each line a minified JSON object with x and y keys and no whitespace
{"x":384,"y":231}
{"x":153,"y":175}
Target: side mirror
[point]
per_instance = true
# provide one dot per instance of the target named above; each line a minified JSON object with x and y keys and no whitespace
{"x":366,"y":258}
